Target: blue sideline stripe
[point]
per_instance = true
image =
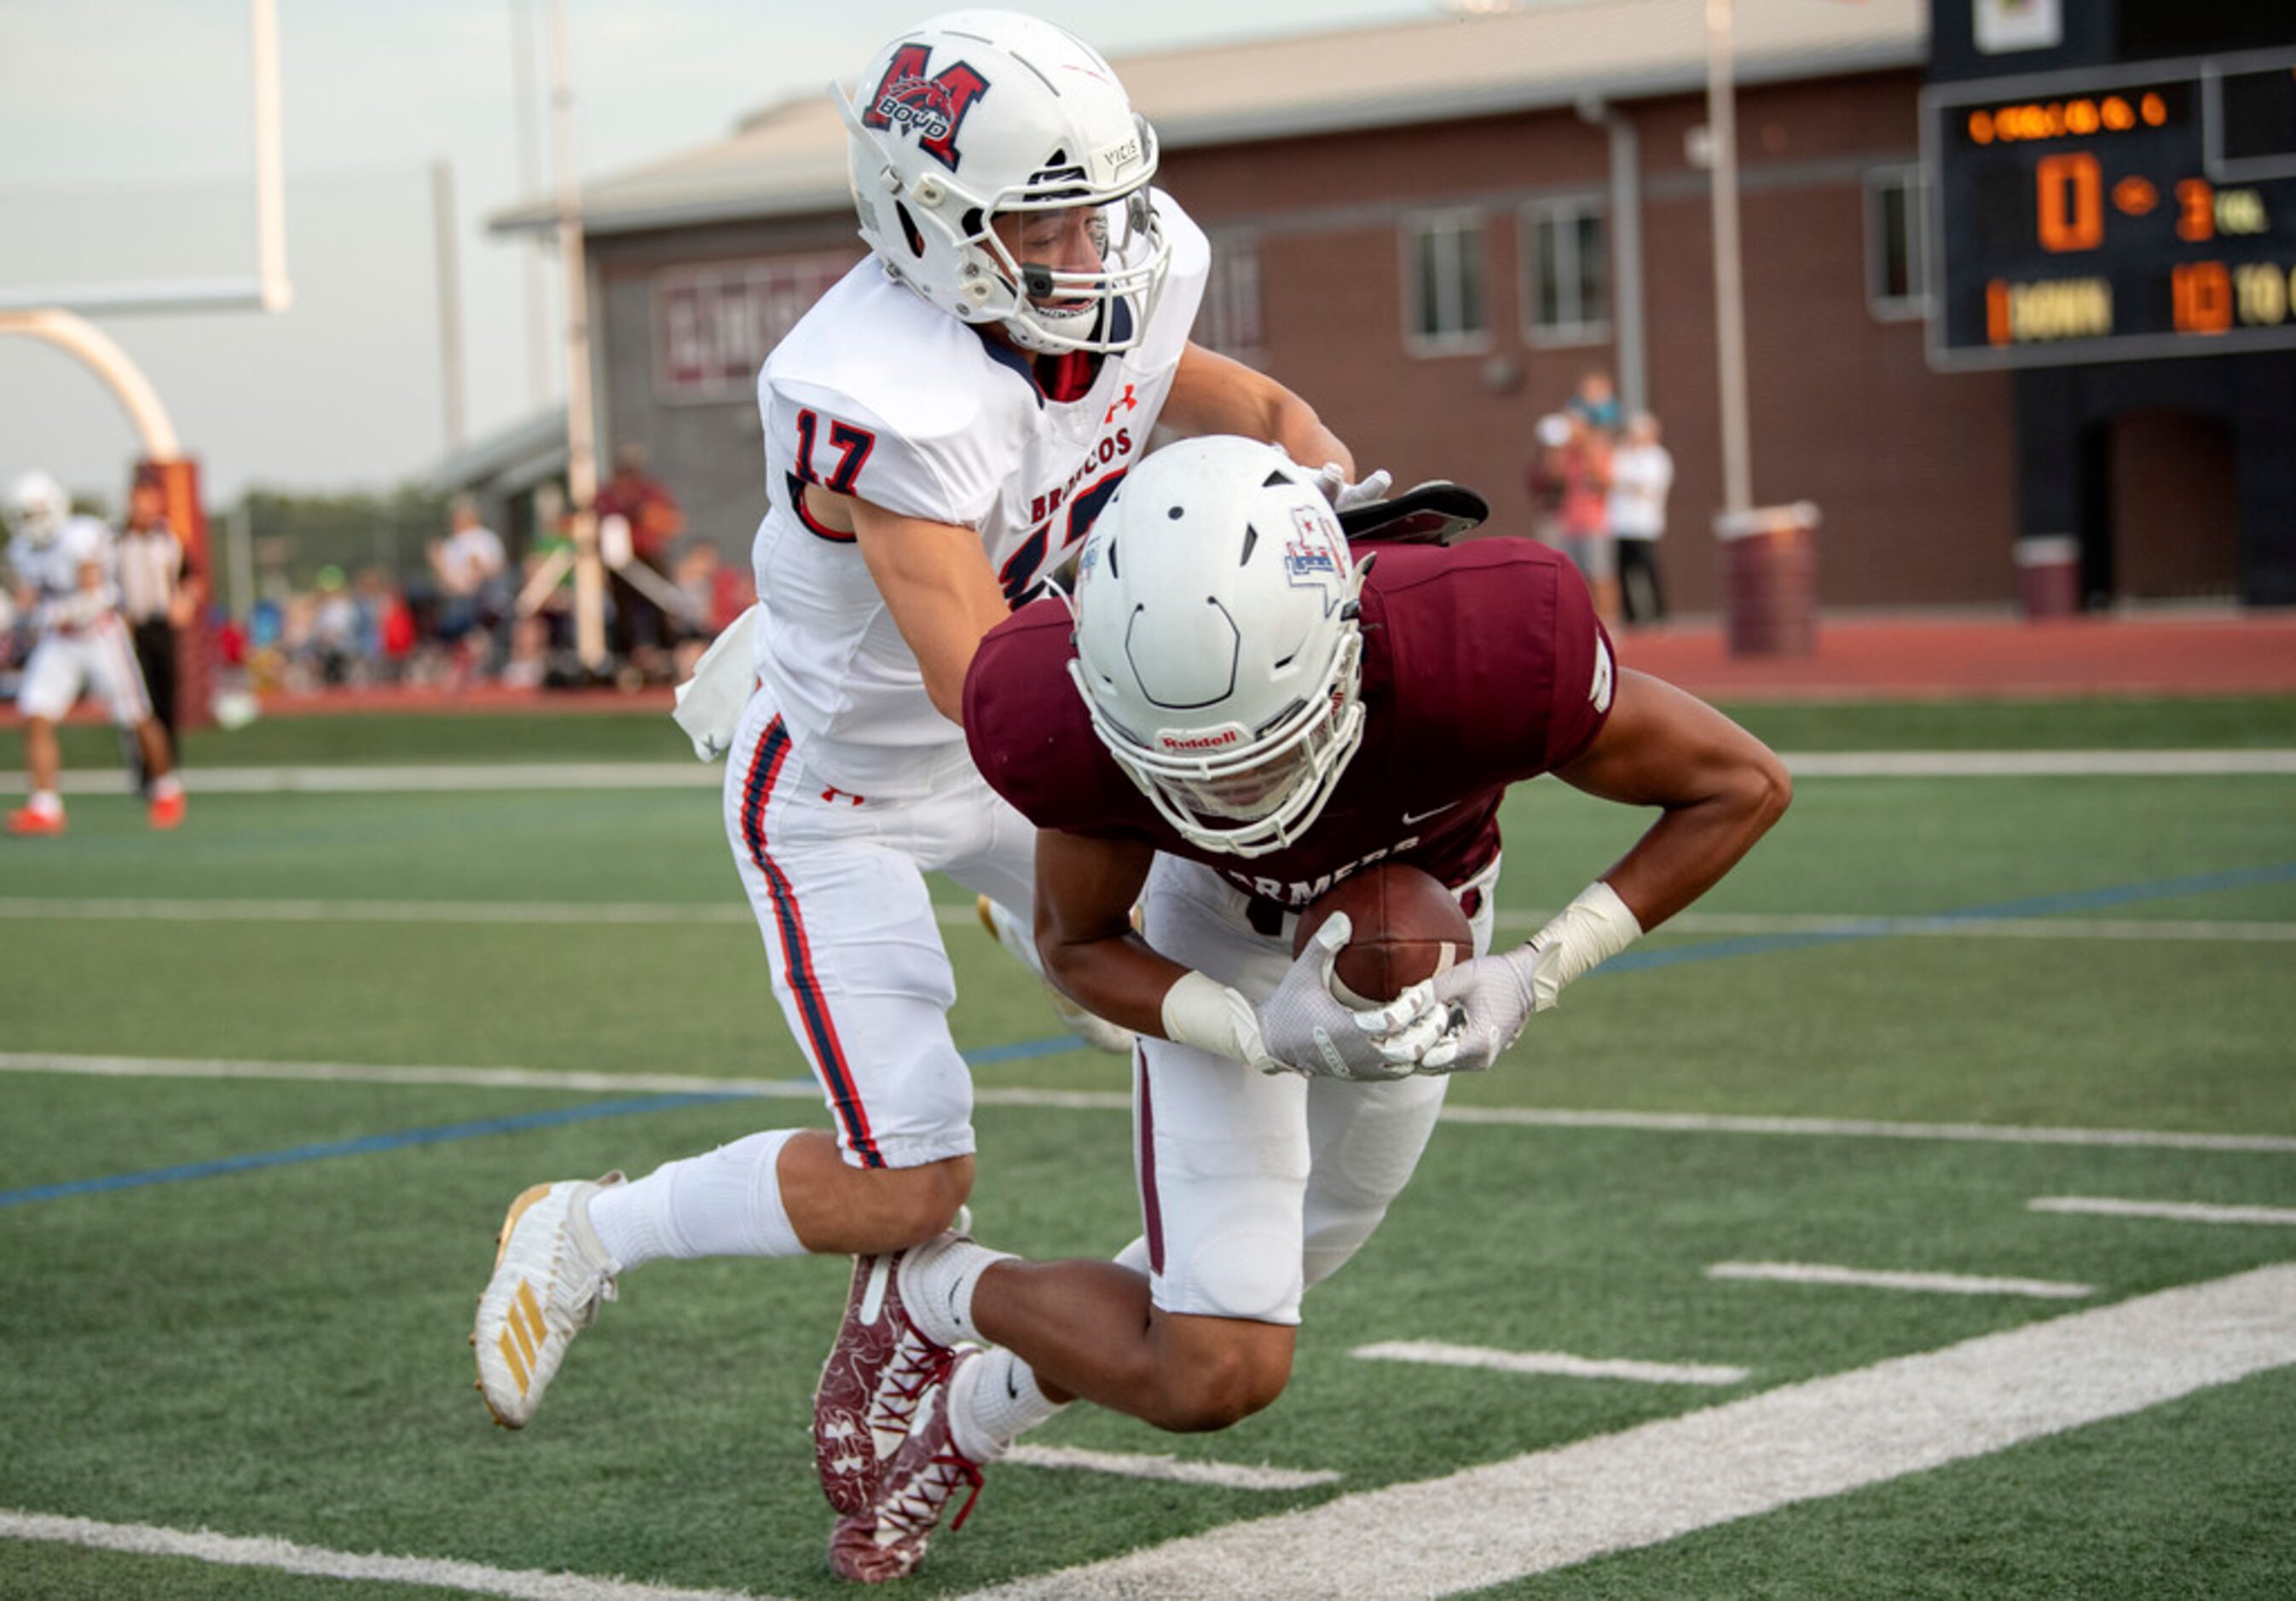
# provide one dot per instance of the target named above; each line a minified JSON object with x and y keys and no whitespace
{"x":2036,"y":906}
{"x":361,"y":1146}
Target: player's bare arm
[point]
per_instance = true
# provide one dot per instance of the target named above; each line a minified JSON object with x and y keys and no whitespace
{"x":1085,"y":891}
{"x":1719,"y":788}
{"x":936,"y":582}
{"x":1212,"y":394}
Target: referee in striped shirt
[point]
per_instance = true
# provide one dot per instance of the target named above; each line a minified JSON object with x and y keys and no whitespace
{"x":159,"y":593}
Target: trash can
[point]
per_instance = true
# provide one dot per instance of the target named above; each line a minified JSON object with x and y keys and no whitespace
{"x":2048,"y":575}
{"x":1770,"y":579}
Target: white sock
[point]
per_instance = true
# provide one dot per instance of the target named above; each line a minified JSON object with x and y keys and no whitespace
{"x":727,"y":1203}
{"x":47,"y":803}
{"x":1004,"y":1402}
{"x":167,"y":787}
{"x":936,"y":1283}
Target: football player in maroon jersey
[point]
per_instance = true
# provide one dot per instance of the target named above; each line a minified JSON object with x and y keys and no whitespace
{"x":1237,"y":712}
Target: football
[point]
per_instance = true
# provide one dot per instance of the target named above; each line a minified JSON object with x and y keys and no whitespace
{"x":1407,"y":927}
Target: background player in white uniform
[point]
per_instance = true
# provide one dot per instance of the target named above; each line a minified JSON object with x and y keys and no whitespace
{"x":63,"y":566}
{"x":940,"y":429}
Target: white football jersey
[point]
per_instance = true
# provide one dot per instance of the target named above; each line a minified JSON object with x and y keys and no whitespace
{"x":877,"y":395}
{"x":52,"y":572}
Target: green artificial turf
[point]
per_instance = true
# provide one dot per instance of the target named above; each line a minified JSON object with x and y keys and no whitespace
{"x":279,"y":1349}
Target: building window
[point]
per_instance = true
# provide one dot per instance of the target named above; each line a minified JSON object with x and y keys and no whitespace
{"x":1569,"y":259}
{"x":1443,"y":280}
{"x":1897,"y":246}
{"x":1229,"y":319}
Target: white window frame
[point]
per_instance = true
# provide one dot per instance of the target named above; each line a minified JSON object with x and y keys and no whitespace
{"x":1884,"y":306}
{"x":1451,"y":337}
{"x":1581,"y":330}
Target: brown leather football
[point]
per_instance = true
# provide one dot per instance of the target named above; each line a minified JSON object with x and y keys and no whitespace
{"x":1407,"y":927}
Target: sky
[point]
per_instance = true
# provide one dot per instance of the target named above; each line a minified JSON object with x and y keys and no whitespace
{"x":127,"y":153}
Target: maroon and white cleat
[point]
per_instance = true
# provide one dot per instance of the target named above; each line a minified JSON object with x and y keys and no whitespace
{"x":878,"y":1372}
{"x":915,"y":1488}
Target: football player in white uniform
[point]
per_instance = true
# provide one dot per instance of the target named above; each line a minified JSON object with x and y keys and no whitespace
{"x":64,"y":578}
{"x":940,"y":430}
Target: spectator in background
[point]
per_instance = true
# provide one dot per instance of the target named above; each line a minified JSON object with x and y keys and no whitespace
{"x":334,"y":642}
{"x":1543,"y":477}
{"x":470,"y":563}
{"x":159,"y":595}
{"x":1597,"y":399}
{"x":1642,"y":472}
{"x":1584,"y":515}
{"x":641,"y":632}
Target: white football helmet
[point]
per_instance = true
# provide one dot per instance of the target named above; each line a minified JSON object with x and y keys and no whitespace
{"x":1217,"y":642}
{"x":39,"y":508}
{"x":978,"y":114}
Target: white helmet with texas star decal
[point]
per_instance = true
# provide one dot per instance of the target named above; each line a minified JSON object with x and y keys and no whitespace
{"x":1218,"y":648}
{"x":978,"y":114}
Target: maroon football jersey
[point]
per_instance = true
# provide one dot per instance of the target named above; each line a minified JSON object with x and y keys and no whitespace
{"x":1484,"y":665}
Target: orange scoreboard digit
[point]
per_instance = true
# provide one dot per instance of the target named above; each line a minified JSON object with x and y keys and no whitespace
{"x":2138,"y":210}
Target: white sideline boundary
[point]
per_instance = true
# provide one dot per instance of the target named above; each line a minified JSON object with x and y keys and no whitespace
{"x":1171,"y":1470}
{"x":1549,"y":1364}
{"x":2179,"y":1212}
{"x":558,"y":913}
{"x":1870,"y":1278}
{"x":1493,"y":1524}
{"x":286,"y":1556}
{"x":1090,"y":1100}
{"x":1550,"y":1509}
{"x":468,"y":777}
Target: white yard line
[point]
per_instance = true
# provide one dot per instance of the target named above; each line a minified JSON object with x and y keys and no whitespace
{"x":1088,"y":1100}
{"x":445,"y":778}
{"x":1493,"y":1524}
{"x":1828,"y":1128}
{"x":286,"y":1556}
{"x":2036,"y":764}
{"x":1222,"y":1475}
{"x":558,"y":913}
{"x":1549,"y":1363}
{"x":1869,"y":1278}
{"x":2180,"y":1211}
{"x":423,"y":779}
{"x":551,"y":913}
{"x":1956,"y":928}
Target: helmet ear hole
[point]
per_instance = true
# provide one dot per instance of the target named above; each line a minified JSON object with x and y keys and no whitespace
{"x":974,"y":223}
{"x":909,"y":230}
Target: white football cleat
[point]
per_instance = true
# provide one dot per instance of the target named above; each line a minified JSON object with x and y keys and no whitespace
{"x":1016,"y":938}
{"x":550,"y":1274}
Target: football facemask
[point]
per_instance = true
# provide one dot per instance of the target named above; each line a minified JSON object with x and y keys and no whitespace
{"x":1219,"y":651}
{"x":978,"y":116}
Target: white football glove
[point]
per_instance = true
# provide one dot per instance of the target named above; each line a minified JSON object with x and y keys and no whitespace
{"x":1331,"y":480}
{"x":1309,"y":1031}
{"x":1488,"y":1000}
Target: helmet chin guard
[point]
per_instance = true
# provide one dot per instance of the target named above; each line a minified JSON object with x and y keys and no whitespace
{"x":1218,"y":646}
{"x":978,"y":115}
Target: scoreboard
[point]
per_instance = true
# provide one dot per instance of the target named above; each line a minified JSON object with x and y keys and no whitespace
{"x":2141,"y":210}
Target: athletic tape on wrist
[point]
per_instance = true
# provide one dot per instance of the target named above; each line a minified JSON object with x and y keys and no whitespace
{"x":1592,"y":928}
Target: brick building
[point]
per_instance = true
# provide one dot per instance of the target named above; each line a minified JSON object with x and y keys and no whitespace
{"x":1431,"y":230}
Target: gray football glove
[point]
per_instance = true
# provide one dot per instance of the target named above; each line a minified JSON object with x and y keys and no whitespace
{"x":1309,"y":1031}
{"x":1488,"y":1000}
